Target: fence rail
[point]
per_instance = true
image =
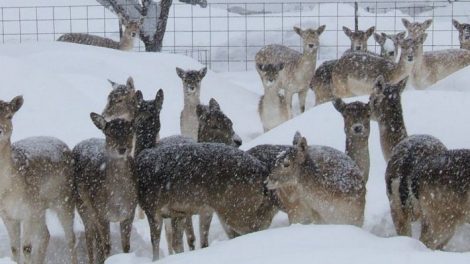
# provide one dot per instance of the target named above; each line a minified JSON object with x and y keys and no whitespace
{"x":227,"y":36}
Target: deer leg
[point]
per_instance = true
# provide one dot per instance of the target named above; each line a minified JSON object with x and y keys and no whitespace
{"x":205,"y":218}
{"x":103,"y":242}
{"x":140,"y":213}
{"x":189,"y":231}
{"x":66,"y":216}
{"x":91,"y":239}
{"x":302,"y":99}
{"x":126,"y":228}
{"x":14,"y":233}
{"x":169,"y":235}
{"x":155,"y":224}
{"x":177,"y":224}
{"x":28,"y":227}
{"x":42,"y":237}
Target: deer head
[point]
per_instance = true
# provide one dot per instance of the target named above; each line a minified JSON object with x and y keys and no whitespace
{"x":356,"y":117}
{"x":7,"y":111}
{"x":191,"y":80}
{"x":215,"y":126}
{"x":311,"y":38}
{"x":385,"y":100}
{"x":358,"y":38}
{"x":464,"y":33}
{"x":416,"y":29}
{"x":119,"y":135}
{"x":269,"y":72}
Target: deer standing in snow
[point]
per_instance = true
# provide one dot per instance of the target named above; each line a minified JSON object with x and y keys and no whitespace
{"x":192,"y":92}
{"x":355,"y":73}
{"x":321,"y":82}
{"x":298,"y":68}
{"x":356,"y":117}
{"x":319,"y":178}
{"x":402,"y":153}
{"x":36,"y":174}
{"x":102,"y":168}
{"x":132,"y":29}
{"x":432,"y":66}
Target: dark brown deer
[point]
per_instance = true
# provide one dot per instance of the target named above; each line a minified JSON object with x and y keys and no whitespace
{"x":102,"y":168}
{"x":402,"y":152}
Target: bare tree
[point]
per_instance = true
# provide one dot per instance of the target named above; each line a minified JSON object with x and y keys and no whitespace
{"x":154,"y":15}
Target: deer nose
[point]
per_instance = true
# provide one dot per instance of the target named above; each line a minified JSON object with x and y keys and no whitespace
{"x":237,"y":141}
{"x":122,"y":151}
{"x":391,"y":53}
{"x":358,"y":48}
{"x":311,"y":46}
{"x":357,"y":128}
{"x":133,"y":34}
{"x":410,"y":58}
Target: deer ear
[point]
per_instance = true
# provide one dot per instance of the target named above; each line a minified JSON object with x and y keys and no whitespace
{"x":159,"y":99}
{"x":400,"y":36}
{"x":200,"y":110}
{"x":181,"y":73}
{"x":259,"y":66}
{"x":298,"y":31}
{"x":406,"y":23}
{"x":297,"y":138}
{"x":139,"y":98}
{"x":98,"y":120}
{"x":422,"y":38}
{"x":379,"y":84}
{"x":379,"y":38}
{"x":113,"y":84}
{"x":321,"y":29}
{"x":456,"y":24}
{"x":213,"y":105}
{"x":347,"y":31}
{"x":16,"y":103}
{"x":202,"y":72}
{"x":130,"y":83}
{"x":339,"y":105}
{"x":370,"y":31}
{"x":427,"y":23}
{"x":402,"y":84}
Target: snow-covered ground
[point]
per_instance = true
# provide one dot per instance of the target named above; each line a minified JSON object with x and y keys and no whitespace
{"x":63,"y":83}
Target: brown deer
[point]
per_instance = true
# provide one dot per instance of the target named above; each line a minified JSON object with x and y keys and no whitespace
{"x":298,"y":67}
{"x":464,"y":34}
{"x":192,"y":93}
{"x":322,"y":178}
{"x":356,"y":117}
{"x":321,"y":83}
{"x":36,"y":174}
{"x":102,"y":168}
{"x":402,"y":152}
{"x":190,"y":177}
{"x":126,"y":43}
{"x":355,"y":73}
{"x":432,"y":66}
{"x":443,"y":189}
{"x":272,"y":107}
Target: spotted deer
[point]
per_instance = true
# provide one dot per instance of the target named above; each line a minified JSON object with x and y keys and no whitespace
{"x":36,"y":174}
{"x":356,"y":117}
{"x":192,"y":93}
{"x":402,"y":153}
{"x":132,"y":29}
{"x":102,"y":168}
{"x":321,"y":178}
{"x":432,"y":66}
{"x":298,"y":67}
{"x":464,"y":34}
{"x":355,"y":73}
{"x":272,"y":107}
{"x":389,"y":44}
{"x":190,"y":177}
{"x":443,"y":192}
{"x":321,"y":83}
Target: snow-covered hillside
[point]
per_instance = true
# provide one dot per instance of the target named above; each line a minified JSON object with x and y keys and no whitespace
{"x":63,"y":83}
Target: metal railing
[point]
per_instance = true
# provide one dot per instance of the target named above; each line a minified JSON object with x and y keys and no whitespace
{"x":227,"y":36}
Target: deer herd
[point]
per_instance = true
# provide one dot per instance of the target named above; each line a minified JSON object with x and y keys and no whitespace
{"x":202,"y":171}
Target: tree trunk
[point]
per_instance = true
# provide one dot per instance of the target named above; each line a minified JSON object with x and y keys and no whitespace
{"x":150,"y":44}
{"x":161,"y":26}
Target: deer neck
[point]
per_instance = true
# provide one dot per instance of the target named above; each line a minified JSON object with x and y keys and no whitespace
{"x":403,"y":68}
{"x":126,"y":42}
{"x":358,"y":150}
{"x":144,"y":139}
{"x":392,"y":130}
{"x":307,"y":62}
{"x":191,"y":102}
{"x":6,"y":166}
